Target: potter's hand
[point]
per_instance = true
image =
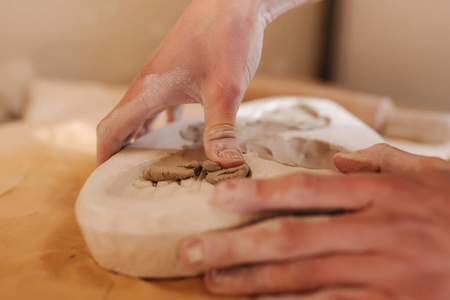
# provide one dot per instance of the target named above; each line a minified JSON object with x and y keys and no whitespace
{"x":209,"y":57}
{"x":393,"y":242}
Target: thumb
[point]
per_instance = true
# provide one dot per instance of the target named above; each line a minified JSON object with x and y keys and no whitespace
{"x":220,"y":134}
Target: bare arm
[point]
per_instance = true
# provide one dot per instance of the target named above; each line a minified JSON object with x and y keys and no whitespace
{"x":208,"y":57}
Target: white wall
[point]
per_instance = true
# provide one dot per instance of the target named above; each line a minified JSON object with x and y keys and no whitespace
{"x":111,"y":39}
{"x":85,"y":39}
{"x":293,"y":42}
{"x":396,"y":47}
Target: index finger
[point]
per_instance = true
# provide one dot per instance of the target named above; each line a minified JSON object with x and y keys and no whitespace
{"x":148,"y":96}
{"x":303,"y":191}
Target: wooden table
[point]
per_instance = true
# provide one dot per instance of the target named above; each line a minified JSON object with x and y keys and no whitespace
{"x":42,"y":168}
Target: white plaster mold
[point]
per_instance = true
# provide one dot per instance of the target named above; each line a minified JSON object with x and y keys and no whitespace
{"x":134,"y":228}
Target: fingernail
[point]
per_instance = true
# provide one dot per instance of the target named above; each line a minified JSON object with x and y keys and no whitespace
{"x":193,"y":252}
{"x":229,"y":153}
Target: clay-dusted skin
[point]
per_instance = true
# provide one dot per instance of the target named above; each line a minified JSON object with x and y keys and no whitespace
{"x":165,"y":170}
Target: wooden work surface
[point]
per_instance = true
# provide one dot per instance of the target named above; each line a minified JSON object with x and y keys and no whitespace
{"x":42,"y":168}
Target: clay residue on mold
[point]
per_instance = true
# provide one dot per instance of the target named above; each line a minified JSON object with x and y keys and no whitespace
{"x":295,"y":118}
{"x":187,"y":164}
{"x":157,"y":174}
{"x":271,"y":136}
{"x":294,"y":151}
{"x":193,"y":133}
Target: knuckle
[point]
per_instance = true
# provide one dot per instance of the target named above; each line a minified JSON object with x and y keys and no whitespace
{"x":289,"y":231}
{"x":219,"y":131}
{"x":383,"y":185}
{"x":220,"y":250}
{"x":419,"y":227}
{"x":385,"y":146}
{"x":287,"y":227}
{"x":304,"y":180}
{"x":392,"y":187}
{"x":431,"y":163}
{"x":260,"y":191}
{"x":227,"y":90}
{"x":381,"y":148}
{"x":418,"y":234}
{"x":277,"y":277}
{"x":425,"y":163}
{"x":311,"y":274}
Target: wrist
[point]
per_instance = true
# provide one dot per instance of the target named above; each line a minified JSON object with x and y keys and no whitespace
{"x":226,"y":8}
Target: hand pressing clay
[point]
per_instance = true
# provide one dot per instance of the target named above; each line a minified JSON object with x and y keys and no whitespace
{"x":133,"y":221}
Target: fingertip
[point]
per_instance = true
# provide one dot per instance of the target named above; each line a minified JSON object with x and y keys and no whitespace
{"x":344,"y":162}
{"x":225,"y":152}
{"x":234,"y":194}
{"x":230,"y":158}
{"x":224,"y":194}
{"x":220,"y":135}
{"x":358,"y":161}
{"x":341,"y":156}
{"x":232,"y":154}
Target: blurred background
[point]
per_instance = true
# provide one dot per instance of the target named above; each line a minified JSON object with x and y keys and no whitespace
{"x":395,"y":48}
